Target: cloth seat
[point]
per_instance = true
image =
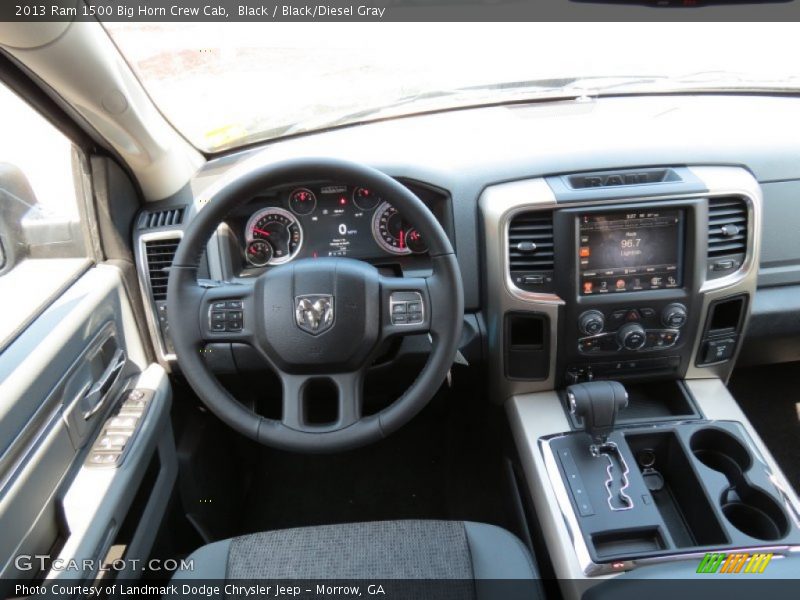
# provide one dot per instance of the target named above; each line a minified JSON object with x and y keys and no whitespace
{"x":478,"y":560}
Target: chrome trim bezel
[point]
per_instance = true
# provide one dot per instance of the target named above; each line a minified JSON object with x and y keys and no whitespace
{"x":147,"y":293}
{"x":286,"y":214}
{"x":500,"y":203}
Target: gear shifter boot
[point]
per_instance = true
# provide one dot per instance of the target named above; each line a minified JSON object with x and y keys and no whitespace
{"x":598,"y":403}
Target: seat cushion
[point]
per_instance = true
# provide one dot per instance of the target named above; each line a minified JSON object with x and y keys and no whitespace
{"x":382,"y":550}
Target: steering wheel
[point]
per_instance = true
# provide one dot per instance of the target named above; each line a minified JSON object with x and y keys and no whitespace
{"x":314,"y":319}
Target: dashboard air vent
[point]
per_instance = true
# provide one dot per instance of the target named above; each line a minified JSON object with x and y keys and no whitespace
{"x":161,"y":218}
{"x":727,"y":234}
{"x":159,"y":254}
{"x":530,"y":250}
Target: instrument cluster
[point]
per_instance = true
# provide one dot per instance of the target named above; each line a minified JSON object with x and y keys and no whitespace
{"x":324,"y":220}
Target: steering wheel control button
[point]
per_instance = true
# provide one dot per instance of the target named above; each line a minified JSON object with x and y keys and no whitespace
{"x":406,"y":308}
{"x":226,"y":315}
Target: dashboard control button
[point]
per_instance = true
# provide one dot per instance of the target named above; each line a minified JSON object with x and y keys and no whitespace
{"x":618,"y":316}
{"x":632,"y":315}
{"x":674,"y":316}
{"x":233,"y":304}
{"x":220,"y":305}
{"x":235,"y":325}
{"x":647,"y":313}
{"x":591,"y":322}
{"x":533,"y":279}
{"x":399,"y":308}
{"x":719,"y":350}
{"x":632,"y":336}
{"x":218,"y":326}
{"x":217,"y":315}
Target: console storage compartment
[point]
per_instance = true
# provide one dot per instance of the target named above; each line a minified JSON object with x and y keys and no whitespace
{"x":676,"y":489}
{"x":651,"y":401}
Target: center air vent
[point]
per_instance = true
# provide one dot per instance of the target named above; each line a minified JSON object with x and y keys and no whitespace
{"x":727,"y":234}
{"x":161,"y":218}
{"x":530,"y":250}
{"x":159,"y":255}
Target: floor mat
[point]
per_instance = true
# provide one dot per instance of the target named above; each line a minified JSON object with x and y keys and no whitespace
{"x":770,"y":397}
{"x":445,"y":464}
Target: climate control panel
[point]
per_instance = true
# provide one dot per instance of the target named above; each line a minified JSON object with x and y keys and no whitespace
{"x":630,"y":329}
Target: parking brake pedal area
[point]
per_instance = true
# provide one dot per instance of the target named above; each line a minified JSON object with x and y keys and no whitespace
{"x":119,"y":430}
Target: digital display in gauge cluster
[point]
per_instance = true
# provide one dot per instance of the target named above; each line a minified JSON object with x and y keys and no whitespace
{"x":329,"y":220}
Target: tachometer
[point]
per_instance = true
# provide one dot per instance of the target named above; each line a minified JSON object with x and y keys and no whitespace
{"x":280,"y":229}
{"x":393,"y":233}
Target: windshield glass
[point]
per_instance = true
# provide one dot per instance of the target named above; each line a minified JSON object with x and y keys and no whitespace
{"x":227,"y":85}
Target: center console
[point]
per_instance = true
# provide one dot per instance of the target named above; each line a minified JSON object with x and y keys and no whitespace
{"x":631,"y":284}
{"x":643,"y":494}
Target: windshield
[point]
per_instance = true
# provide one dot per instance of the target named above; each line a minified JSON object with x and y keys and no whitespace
{"x":226,"y":85}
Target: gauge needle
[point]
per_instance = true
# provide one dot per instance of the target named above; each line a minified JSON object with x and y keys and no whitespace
{"x":261,"y":231}
{"x":402,"y":238}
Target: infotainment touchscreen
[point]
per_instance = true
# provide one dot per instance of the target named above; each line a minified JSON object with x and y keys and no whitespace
{"x":629,"y":251}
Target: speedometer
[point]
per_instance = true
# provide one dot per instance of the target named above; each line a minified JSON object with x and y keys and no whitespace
{"x":280,"y":229}
{"x":393,"y":233}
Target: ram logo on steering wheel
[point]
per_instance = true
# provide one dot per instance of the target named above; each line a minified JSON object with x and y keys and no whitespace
{"x":314,"y":312}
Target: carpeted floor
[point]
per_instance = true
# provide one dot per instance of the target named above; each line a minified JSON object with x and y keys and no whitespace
{"x":770,"y":397}
{"x":445,"y":464}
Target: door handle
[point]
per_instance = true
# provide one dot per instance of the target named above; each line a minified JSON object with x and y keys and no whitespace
{"x":97,"y":395}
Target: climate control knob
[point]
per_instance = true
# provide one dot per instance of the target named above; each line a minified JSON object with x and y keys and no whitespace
{"x":674,"y":316}
{"x":591,"y":322}
{"x":631,"y":336}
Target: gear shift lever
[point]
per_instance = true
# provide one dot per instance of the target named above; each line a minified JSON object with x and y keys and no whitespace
{"x":598,"y":403}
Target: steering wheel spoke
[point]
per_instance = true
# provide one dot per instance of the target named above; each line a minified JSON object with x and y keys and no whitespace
{"x":298,"y":399}
{"x":405,"y":306}
{"x":227,"y":314}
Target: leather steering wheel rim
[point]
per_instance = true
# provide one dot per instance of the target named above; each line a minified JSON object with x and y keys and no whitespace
{"x":187,"y":308}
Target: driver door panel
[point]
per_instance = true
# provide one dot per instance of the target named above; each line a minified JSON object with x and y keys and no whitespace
{"x":60,"y":379}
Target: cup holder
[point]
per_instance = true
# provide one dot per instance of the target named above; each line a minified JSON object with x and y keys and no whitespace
{"x":750,"y":510}
{"x":720,"y":451}
{"x":756,"y":515}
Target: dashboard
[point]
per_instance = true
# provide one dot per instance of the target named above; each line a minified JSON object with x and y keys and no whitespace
{"x":585,"y":248}
{"x":326,"y":219}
